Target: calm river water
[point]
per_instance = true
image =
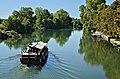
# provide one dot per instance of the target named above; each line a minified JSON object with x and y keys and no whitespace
{"x":72,"y":55}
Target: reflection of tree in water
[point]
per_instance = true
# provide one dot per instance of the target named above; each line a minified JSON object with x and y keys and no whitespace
{"x":19,"y":43}
{"x":61,"y":37}
{"x":101,"y":52}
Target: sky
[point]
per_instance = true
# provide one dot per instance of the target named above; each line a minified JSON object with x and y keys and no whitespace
{"x":71,"y":6}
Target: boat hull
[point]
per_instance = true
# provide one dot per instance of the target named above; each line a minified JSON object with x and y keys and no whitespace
{"x":37,"y":59}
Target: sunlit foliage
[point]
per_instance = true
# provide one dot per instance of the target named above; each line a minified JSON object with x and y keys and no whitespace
{"x":96,"y":14}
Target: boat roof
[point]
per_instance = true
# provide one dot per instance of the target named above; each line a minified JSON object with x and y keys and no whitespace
{"x":38,"y":45}
{"x":97,"y":33}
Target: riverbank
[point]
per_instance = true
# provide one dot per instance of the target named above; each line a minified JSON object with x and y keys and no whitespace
{"x":113,"y":40}
{"x":9,"y":34}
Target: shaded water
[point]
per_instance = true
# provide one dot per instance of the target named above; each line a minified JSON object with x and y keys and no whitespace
{"x":72,"y":55}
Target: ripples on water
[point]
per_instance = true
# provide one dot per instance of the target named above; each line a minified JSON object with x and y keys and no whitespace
{"x":57,"y":67}
{"x":64,"y":62}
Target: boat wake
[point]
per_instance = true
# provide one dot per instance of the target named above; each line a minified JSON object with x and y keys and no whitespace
{"x":10,"y":58}
{"x":59,"y":66}
{"x":56,"y":67}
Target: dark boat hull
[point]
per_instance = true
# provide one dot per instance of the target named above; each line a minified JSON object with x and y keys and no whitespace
{"x":39,"y":59}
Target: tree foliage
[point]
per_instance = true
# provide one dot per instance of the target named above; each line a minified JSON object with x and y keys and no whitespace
{"x":25,"y":21}
{"x":63,"y":17}
{"x":0,"y":20}
{"x":94,"y":4}
{"x":38,"y":14}
{"x":21,"y":22}
{"x":58,"y":20}
{"x":96,"y":14}
{"x":108,"y":20}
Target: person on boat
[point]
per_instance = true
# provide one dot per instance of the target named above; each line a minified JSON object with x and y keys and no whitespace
{"x":27,"y":49}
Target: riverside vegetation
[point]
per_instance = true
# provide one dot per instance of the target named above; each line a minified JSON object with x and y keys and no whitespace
{"x":27,"y":21}
{"x":96,"y":15}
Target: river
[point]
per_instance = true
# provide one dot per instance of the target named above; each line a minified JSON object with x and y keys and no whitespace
{"x":71,"y":55}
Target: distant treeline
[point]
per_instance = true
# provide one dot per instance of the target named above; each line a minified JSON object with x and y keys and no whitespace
{"x":26,"y":21}
{"x":96,"y":15}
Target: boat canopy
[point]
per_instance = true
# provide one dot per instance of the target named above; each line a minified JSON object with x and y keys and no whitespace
{"x":97,"y":33}
{"x":39,"y":45}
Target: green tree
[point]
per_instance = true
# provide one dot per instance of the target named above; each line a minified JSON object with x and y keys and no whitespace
{"x":38,"y":14}
{"x":76,"y":24}
{"x":48,"y":23}
{"x":108,"y":20}
{"x":63,"y":17}
{"x":46,"y":14}
{"x":57,"y":23}
{"x":20,"y":21}
{"x":93,"y":4}
{"x":0,"y":20}
{"x":26,"y":18}
{"x":82,"y":9}
{"x":88,"y":12}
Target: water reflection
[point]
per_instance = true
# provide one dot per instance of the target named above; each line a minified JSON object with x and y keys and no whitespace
{"x":10,"y":58}
{"x":100,"y":52}
{"x":64,"y":62}
{"x":10,"y":66}
{"x":61,"y":37}
{"x":21,"y":72}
